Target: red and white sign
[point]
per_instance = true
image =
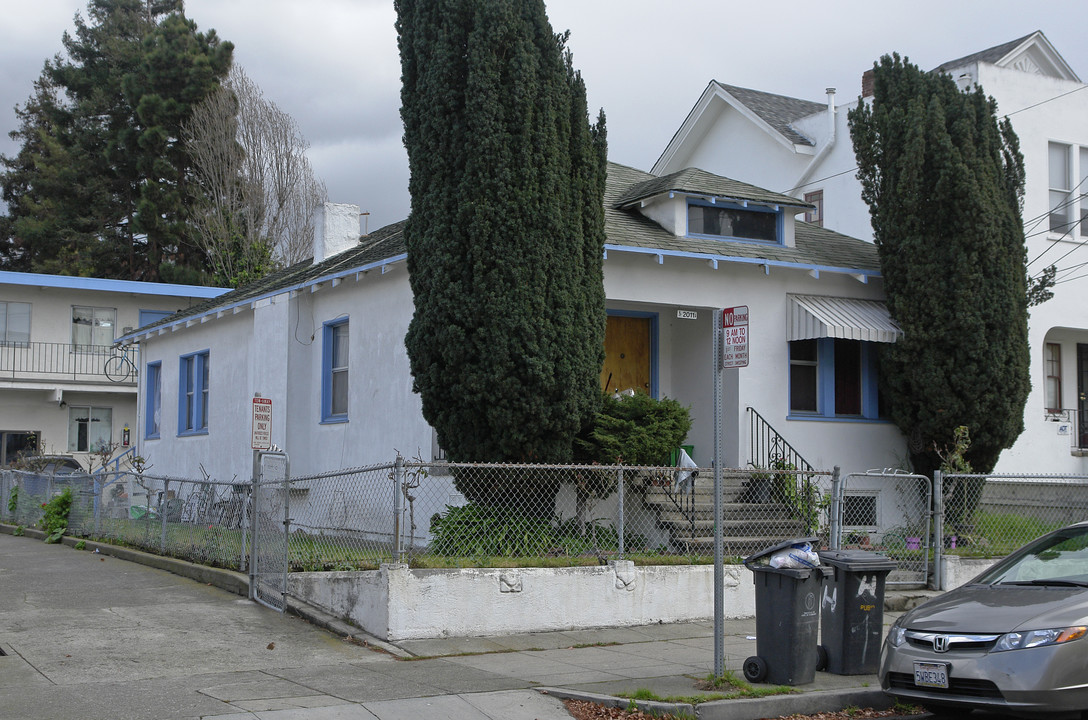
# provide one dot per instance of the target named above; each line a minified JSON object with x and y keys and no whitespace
{"x":262,"y":423}
{"x":735,"y":337}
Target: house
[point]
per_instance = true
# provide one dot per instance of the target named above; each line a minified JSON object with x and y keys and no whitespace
{"x":324,"y":341}
{"x":56,"y":336}
{"x":802,"y":148}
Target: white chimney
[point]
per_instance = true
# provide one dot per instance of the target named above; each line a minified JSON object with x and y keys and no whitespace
{"x":336,"y":229}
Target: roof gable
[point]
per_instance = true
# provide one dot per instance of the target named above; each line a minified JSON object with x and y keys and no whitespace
{"x":1031,"y":54}
{"x":771,"y":113}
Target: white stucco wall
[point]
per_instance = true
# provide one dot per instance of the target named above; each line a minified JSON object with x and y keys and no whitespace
{"x":397,"y":603}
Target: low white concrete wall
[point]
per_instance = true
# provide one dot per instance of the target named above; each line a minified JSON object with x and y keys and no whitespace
{"x":398,"y":603}
{"x":956,"y":570}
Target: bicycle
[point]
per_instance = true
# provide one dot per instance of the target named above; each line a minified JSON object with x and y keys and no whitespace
{"x":120,"y":367}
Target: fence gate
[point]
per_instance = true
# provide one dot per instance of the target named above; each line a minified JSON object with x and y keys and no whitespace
{"x":269,"y":528}
{"x":888,"y":511}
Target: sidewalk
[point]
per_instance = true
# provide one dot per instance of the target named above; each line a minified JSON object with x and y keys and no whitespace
{"x":85,"y":635}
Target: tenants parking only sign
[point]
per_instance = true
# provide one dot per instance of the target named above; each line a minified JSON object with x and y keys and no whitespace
{"x":262,"y":423}
{"x":735,"y":337}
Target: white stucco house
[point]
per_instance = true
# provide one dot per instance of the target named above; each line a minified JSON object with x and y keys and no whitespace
{"x":56,"y":334}
{"x":802,"y":148}
{"x":324,"y":341}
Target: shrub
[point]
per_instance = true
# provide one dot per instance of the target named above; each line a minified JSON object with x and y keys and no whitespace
{"x":633,"y":430}
{"x":55,"y":515}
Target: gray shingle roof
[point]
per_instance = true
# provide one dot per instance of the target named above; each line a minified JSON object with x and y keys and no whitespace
{"x":815,"y":246}
{"x":989,"y":55}
{"x":693,"y":181}
{"x":778,"y":111}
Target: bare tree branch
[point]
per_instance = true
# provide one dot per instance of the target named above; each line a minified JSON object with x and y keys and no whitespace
{"x":255,"y":191}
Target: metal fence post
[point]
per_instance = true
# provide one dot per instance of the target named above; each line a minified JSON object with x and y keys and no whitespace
{"x":619,"y":489}
{"x":835,"y":540}
{"x":398,"y":506}
{"x":164,"y":503}
{"x":938,"y":528}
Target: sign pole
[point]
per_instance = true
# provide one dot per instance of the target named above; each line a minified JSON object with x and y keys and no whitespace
{"x":719,"y":565}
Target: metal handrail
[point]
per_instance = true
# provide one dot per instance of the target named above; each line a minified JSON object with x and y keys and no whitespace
{"x":30,"y":360}
{"x":767,"y":447}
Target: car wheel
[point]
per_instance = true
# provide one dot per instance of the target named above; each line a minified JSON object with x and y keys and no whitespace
{"x":945,"y":711}
{"x":821,"y":657}
{"x":755,"y":669}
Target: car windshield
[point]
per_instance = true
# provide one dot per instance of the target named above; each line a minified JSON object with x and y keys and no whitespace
{"x":1059,"y":559}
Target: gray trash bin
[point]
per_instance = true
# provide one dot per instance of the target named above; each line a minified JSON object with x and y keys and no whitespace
{"x":852,"y":610}
{"x":787,"y":619}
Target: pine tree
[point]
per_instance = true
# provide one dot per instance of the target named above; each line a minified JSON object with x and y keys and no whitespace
{"x":108,"y":113}
{"x":506,"y":233}
{"x":944,"y":181}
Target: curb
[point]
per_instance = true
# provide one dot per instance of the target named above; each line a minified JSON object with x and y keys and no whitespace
{"x":802,"y":703}
{"x":651,"y":707}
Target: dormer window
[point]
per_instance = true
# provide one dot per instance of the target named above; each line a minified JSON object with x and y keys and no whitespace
{"x":736,"y":222}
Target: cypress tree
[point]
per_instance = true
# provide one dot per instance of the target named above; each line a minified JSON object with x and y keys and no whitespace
{"x":944,"y":182}
{"x":506,"y":233}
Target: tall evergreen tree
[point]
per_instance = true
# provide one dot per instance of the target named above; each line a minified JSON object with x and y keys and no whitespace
{"x":944,"y":182}
{"x":506,"y":233}
{"x":108,"y":113}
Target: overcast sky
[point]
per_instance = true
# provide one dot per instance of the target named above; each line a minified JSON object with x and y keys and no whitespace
{"x":333,"y":64}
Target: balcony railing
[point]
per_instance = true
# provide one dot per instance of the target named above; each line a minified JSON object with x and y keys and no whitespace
{"x":30,"y":361}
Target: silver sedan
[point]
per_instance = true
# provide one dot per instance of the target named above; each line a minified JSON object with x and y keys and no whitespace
{"x":1012,"y":640}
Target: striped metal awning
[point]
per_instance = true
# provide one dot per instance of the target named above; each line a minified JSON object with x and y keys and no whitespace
{"x":816,"y":316}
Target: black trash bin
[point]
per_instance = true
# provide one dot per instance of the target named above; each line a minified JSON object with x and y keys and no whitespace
{"x":852,"y":610}
{"x":787,"y":619}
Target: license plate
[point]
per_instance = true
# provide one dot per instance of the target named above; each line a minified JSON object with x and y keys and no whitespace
{"x":934,"y":675}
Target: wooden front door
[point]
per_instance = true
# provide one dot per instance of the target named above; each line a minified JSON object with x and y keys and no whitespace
{"x":626,"y":354}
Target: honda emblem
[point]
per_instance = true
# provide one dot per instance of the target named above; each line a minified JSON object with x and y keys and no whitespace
{"x":940,"y":643}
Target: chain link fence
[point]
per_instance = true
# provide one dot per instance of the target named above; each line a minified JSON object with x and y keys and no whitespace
{"x":992,"y":515}
{"x":477,"y":515}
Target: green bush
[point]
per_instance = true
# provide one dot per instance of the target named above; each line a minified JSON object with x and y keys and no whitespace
{"x":13,"y":499}
{"x":633,"y":430}
{"x":54,"y":519}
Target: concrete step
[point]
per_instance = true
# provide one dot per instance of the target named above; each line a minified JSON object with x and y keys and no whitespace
{"x":744,"y":512}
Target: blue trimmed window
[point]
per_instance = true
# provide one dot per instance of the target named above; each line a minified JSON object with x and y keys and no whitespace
{"x":334,"y":372}
{"x":153,"y":407}
{"x":193,"y":394}
{"x":833,"y":378}
{"x":730,"y":221}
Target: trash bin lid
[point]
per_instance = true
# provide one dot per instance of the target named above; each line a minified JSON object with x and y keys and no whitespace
{"x":857,"y":560}
{"x":767,"y":552}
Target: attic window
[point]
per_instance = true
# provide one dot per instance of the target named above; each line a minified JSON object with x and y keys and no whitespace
{"x":727,"y":220}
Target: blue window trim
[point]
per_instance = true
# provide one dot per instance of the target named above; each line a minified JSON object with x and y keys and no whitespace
{"x":327,"y":416}
{"x":825,"y":386}
{"x":653,"y":317}
{"x":154,"y":393}
{"x":198,"y":359}
{"x":779,"y":224}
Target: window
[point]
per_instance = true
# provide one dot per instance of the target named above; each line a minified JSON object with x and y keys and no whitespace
{"x":1052,"y":359}
{"x":93,"y":326}
{"x":816,"y":216}
{"x":833,"y":378}
{"x":334,"y":372}
{"x":153,"y":409}
{"x":15,"y":323}
{"x":193,"y":394}
{"x":732,"y":221}
{"x":1067,"y":162}
{"x":89,"y":428}
{"x":16,"y":444}
{"x":859,"y":511}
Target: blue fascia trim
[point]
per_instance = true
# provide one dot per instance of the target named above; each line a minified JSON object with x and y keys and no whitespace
{"x":137,"y":287}
{"x":742,"y":260}
{"x":654,"y":319}
{"x":272,"y":293}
